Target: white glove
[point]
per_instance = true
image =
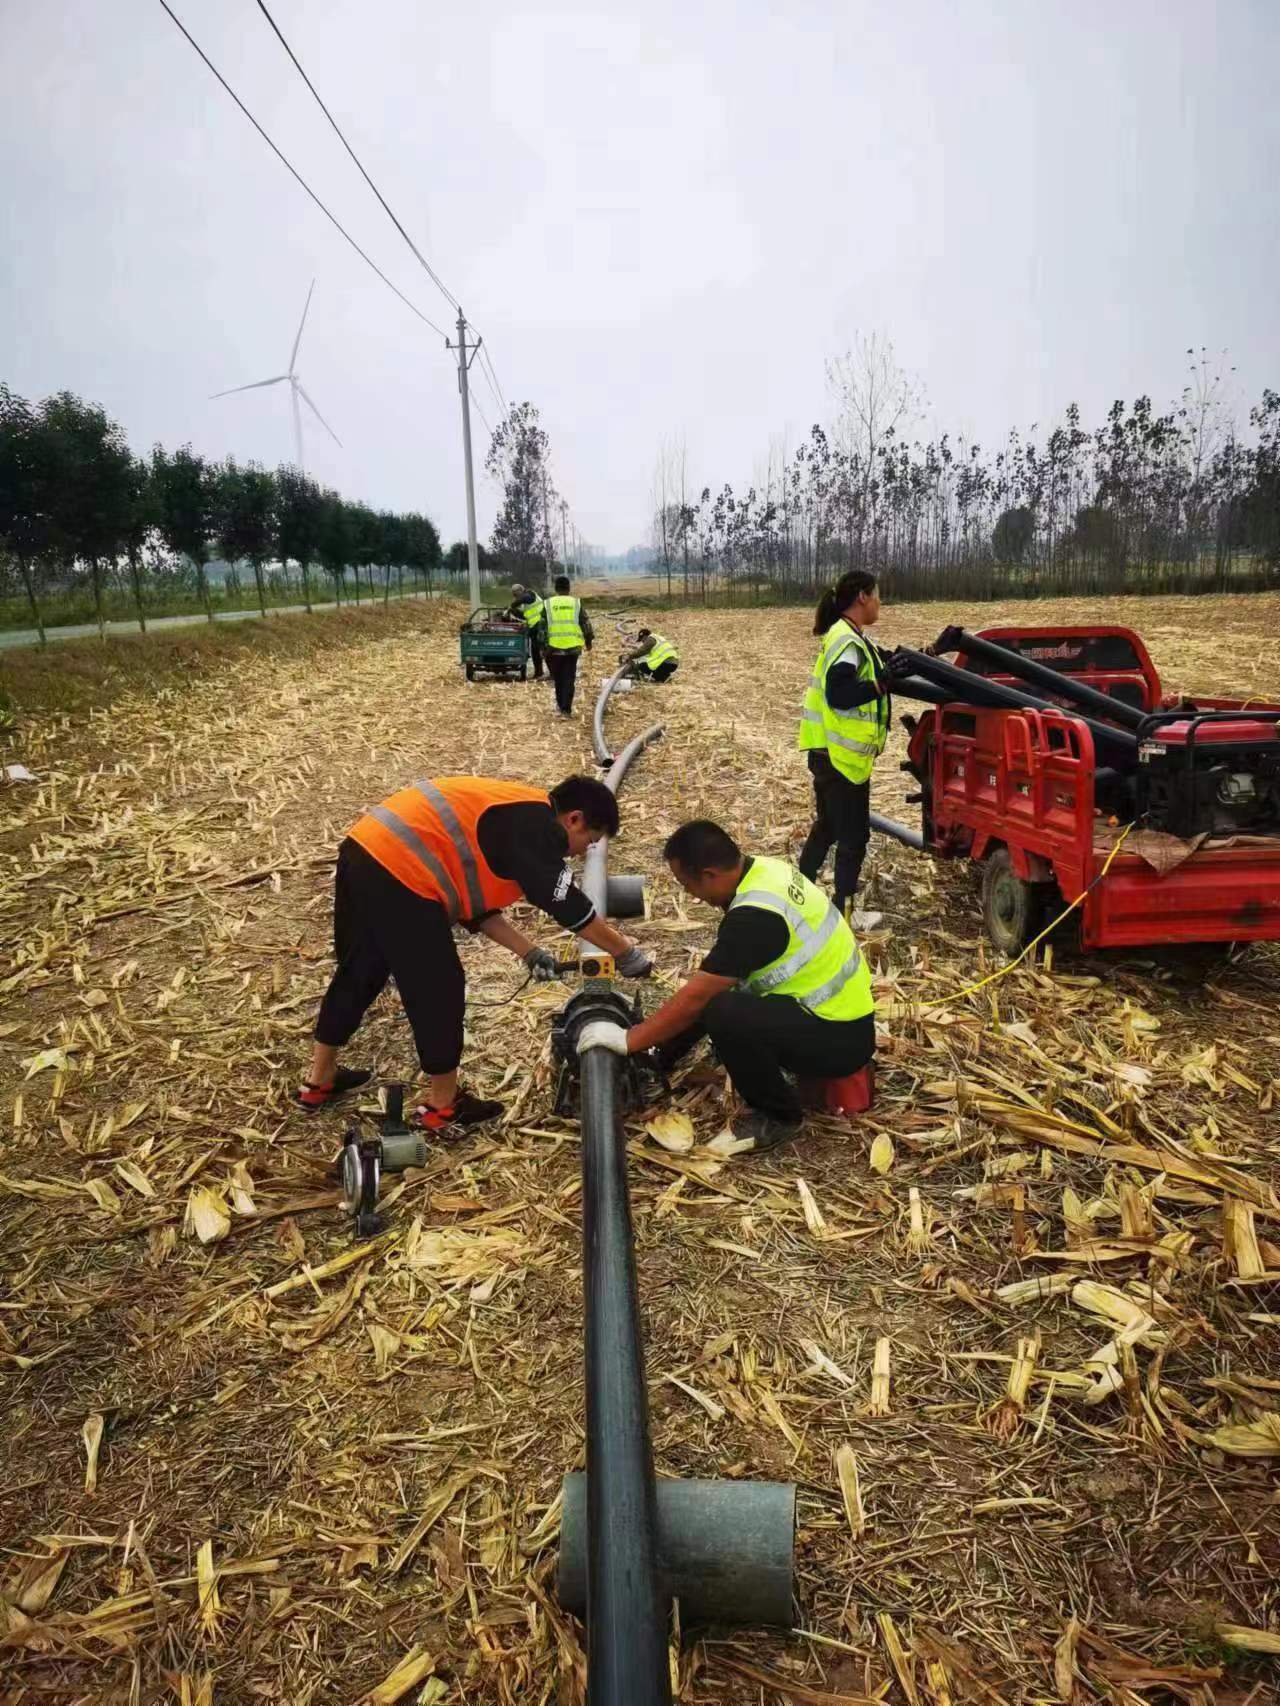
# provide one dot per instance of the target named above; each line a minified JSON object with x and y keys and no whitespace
{"x":603,"y":1033}
{"x":634,"y":963}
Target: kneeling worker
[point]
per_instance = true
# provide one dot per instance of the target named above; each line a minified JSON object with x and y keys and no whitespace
{"x":654,"y":659}
{"x":452,"y":850}
{"x":784,"y":988}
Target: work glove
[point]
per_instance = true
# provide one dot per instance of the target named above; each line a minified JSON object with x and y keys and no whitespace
{"x":543,"y":965}
{"x":634,"y":963}
{"x":603,"y":1033}
{"x":896,"y":667}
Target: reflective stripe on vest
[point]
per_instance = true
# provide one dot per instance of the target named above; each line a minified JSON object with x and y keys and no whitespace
{"x":852,"y":739}
{"x":564,"y":630}
{"x":532,"y":612}
{"x":659,"y":652}
{"x":822,"y":968}
{"x":425,"y":835}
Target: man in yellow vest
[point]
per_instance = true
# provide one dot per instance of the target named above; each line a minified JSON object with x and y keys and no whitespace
{"x":784,"y":988}
{"x":527,"y":607}
{"x":566,"y":628}
{"x":845,"y":723}
{"x":655,"y":658}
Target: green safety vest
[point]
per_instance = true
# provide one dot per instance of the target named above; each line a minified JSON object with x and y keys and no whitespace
{"x":659,"y":652}
{"x":822,"y":967}
{"x":564,"y":630}
{"x":532,"y":612}
{"x":852,"y":739}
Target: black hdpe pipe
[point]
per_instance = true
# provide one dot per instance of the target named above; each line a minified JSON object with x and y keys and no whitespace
{"x":627,"y":1601}
{"x":912,"y":838}
{"x":1053,"y":681}
{"x":963,"y":687}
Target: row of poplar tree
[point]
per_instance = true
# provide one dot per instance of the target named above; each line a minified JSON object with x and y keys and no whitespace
{"x":78,"y":508}
{"x":1184,"y":499}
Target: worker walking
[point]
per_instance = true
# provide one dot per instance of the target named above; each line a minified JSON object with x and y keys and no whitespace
{"x":655,"y":658}
{"x":566,"y":628}
{"x":452,"y":850}
{"x":527,"y":607}
{"x":784,"y":988}
{"x":847,"y":710}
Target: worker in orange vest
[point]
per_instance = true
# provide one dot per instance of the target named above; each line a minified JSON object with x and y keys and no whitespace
{"x":445,"y":851}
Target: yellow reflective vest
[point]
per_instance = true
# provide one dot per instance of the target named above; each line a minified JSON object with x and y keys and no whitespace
{"x":851,"y":739}
{"x":659,"y":652}
{"x":822,"y":967}
{"x":532,"y":612}
{"x":564,"y":628}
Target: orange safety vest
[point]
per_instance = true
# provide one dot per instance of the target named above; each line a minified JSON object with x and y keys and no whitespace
{"x":425,"y":835}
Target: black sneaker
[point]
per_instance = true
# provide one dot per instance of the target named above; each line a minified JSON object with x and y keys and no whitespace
{"x":312,"y":1097}
{"x":766,"y":1131}
{"x":467,"y":1110}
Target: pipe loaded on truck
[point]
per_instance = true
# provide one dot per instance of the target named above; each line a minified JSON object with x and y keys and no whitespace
{"x":1054,"y":758}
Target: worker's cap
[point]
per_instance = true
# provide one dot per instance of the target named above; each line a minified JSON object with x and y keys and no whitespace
{"x":516,"y":589}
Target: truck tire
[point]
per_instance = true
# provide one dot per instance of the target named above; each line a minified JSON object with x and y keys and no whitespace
{"x":524,"y":670}
{"x":1012,"y":909}
{"x":471,"y":672}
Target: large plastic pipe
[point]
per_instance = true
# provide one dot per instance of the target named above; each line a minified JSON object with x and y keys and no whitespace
{"x":598,"y":742}
{"x":627,"y":1604}
{"x":899,"y":831}
{"x":726,"y":1549}
{"x":1052,"y":681}
{"x":968,"y":689}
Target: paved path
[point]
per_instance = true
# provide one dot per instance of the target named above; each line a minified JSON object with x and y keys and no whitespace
{"x":13,"y":637}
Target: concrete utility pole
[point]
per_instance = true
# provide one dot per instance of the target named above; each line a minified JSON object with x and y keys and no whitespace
{"x":464,"y":368}
{"x":547,"y":546}
{"x":564,"y":532}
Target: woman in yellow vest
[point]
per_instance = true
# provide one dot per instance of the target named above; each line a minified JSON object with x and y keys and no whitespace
{"x":847,"y":710}
{"x":783,"y":990}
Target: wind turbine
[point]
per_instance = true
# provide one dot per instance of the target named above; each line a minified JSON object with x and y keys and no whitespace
{"x":295,"y":389}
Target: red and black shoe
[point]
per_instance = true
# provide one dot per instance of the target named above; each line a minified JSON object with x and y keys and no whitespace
{"x":467,"y":1110}
{"x":312,"y":1097}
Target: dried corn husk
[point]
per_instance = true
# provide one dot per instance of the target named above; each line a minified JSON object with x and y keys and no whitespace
{"x":880,"y":1377}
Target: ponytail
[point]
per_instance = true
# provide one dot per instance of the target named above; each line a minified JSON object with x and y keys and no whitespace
{"x":837,"y":599}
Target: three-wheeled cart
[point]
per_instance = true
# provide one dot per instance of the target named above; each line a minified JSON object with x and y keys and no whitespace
{"x":493,"y":643}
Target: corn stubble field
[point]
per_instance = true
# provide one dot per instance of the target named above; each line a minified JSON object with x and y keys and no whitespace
{"x":1014,"y":1335}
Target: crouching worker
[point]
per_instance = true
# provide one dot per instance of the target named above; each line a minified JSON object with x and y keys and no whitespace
{"x":654,"y":658}
{"x":452,"y":850}
{"x":784,"y":988}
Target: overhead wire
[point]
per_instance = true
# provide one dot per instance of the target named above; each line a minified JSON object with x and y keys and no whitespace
{"x":486,"y":360}
{"x":285,"y":161}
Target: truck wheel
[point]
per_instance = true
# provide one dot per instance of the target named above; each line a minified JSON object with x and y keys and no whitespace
{"x":524,"y":672}
{"x":471,"y":672}
{"x":1011,"y":908}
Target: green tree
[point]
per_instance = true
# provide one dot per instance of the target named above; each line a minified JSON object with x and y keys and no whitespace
{"x":94,"y":471}
{"x":333,"y":544}
{"x":245,"y":509}
{"x":366,"y":542}
{"x":518,"y":456}
{"x":299,"y":518}
{"x":1013,"y":533}
{"x":422,"y":544}
{"x":184,"y":489}
{"x":141,"y":515}
{"x":28,"y":495}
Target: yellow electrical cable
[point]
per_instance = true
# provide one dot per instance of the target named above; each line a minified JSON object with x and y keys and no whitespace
{"x":993,"y":977}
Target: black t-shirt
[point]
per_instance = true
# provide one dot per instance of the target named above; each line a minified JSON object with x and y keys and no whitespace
{"x":748,"y":938}
{"x":523,"y":842}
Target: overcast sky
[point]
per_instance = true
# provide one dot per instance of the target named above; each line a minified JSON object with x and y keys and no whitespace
{"x":663,"y":218}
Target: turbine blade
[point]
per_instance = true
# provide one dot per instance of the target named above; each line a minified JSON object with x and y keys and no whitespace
{"x":301,"y":323}
{"x":256,"y":386}
{"x":324,"y":423}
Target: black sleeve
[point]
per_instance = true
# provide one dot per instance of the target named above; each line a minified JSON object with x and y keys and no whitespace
{"x":524,"y":843}
{"x":847,"y":688}
{"x":585,"y":623}
{"x":748,"y":938}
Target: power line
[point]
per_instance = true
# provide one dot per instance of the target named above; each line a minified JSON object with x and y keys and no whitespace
{"x":296,"y":174}
{"x":432,"y":274}
{"x":486,"y":360}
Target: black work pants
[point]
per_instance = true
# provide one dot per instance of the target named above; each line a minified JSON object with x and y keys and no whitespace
{"x":758,"y":1038}
{"x":382,"y":929}
{"x":535,"y":652}
{"x":665,"y":670}
{"x":564,"y":672}
{"x":842,"y":819}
